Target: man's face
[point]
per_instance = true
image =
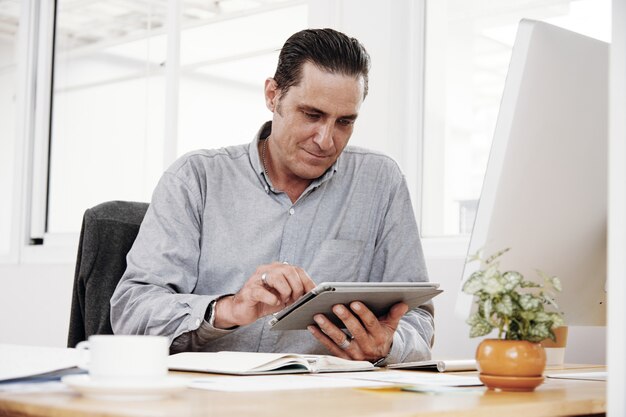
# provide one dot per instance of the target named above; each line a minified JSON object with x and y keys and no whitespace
{"x":312,"y":122}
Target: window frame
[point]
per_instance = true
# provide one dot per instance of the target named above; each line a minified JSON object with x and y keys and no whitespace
{"x":34,"y":75}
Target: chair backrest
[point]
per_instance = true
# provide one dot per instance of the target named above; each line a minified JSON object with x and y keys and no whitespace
{"x":107,"y":234}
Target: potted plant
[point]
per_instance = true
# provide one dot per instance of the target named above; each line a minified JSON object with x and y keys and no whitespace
{"x":515,"y":307}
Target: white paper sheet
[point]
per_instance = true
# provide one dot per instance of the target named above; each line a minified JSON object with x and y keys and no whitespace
{"x":278,"y":383}
{"x":412,"y":378}
{"x":17,"y":361}
{"x":29,"y":387}
{"x":587,"y":376}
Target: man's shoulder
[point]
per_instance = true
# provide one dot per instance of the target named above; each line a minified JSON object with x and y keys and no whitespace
{"x":202,"y":159}
{"x":359,"y":155}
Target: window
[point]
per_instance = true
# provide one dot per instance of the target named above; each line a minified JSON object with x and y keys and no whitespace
{"x":222,"y":76}
{"x":468,"y":47}
{"x":109,"y":104}
{"x":10,"y":11}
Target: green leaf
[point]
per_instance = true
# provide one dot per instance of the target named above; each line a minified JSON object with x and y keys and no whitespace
{"x":550,"y":301}
{"x":492,"y":285}
{"x":475,"y":257}
{"x":557,"y":320}
{"x":487,"y":308}
{"x":505,"y":305}
{"x":538,"y":332}
{"x":480,"y":329}
{"x":478,"y":326}
{"x":529,"y":302}
{"x":471,"y":320}
{"x":474,"y":284}
{"x":512,"y":280}
{"x":543,"y":317}
{"x":556,"y":283}
{"x":496,"y":255}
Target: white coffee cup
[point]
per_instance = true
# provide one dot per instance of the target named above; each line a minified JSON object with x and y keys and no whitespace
{"x":126,"y":357}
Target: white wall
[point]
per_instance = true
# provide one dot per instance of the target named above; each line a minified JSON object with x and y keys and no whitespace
{"x":35,"y":304}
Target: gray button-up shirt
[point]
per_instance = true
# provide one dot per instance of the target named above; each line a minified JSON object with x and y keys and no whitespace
{"x":215,"y":217}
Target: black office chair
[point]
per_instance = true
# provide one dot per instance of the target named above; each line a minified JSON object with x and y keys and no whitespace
{"x":108,"y":232}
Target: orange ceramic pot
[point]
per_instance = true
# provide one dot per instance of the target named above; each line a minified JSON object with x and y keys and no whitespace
{"x":510,"y":365}
{"x":510,"y":358}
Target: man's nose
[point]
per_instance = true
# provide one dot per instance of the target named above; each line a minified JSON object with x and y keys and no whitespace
{"x":324,"y":136}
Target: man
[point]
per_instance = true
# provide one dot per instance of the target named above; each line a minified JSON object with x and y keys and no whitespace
{"x":235,"y":234}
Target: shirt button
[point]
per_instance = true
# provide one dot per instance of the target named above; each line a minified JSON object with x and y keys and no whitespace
{"x":198,"y":322}
{"x":291,"y":211}
{"x":267,"y":189}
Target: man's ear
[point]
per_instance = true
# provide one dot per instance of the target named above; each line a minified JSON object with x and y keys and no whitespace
{"x":271,"y":94}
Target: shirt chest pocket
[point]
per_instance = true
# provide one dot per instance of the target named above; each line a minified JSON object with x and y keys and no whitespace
{"x":336,"y":260}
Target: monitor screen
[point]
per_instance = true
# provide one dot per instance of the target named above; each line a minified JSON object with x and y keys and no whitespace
{"x":545,"y":190}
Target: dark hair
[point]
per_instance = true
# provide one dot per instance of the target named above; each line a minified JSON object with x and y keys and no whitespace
{"x":326,"y":48}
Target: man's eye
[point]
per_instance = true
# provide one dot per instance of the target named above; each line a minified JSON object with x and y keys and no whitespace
{"x":313,"y":116}
{"x":345,"y":122}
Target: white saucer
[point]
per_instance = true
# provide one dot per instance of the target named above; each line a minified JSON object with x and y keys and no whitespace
{"x":125,"y":390}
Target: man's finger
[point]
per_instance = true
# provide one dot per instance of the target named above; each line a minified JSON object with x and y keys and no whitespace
{"x":309,"y":284}
{"x":369,"y":320}
{"x":352,"y":323}
{"x":275,"y":280}
{"x":333,"y":332}
{"x":264,"y":296}
{"x":327,"y":342}
{"x":395,"y":314}
{"x":294,"y":281}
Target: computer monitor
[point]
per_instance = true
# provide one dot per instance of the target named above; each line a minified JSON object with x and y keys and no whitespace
{"x":545,"y":188}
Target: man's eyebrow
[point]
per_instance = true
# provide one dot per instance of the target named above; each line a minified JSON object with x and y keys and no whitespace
{"x":312,"y":109}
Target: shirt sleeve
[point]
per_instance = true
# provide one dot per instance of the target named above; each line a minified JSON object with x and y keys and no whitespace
{"x":155,"y":294}
{"x":398,"y":257}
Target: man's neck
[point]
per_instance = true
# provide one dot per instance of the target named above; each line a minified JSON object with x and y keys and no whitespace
{"x":293,"y":187}
{"x":295,"y":191}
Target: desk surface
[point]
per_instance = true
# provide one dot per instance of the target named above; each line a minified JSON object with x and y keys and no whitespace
{"x":555,"y":397}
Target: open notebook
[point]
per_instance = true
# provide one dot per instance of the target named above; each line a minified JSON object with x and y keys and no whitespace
{"x":258,"y":363}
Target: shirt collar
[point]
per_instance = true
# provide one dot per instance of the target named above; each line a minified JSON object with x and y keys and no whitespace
{"x":257,"y":164}
{"x":255,"y":158}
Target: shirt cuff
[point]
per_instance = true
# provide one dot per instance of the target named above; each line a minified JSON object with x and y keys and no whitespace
{"x":395,"y":353}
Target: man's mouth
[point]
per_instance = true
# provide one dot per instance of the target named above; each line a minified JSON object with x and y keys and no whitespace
{"x":316,"y":155}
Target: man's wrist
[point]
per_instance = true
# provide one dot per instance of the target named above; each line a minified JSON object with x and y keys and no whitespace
{"x":381,"y":361}
{"x":222,"y":313}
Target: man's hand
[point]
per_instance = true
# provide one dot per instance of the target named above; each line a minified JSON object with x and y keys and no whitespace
{"x":270,"y":289}
{"x":371,"y":336}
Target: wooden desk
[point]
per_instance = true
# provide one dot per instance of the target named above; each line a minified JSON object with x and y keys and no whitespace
{"x":555,"y":397}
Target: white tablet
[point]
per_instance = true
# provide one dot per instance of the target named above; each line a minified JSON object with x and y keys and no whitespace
{"x":379,"y":297}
